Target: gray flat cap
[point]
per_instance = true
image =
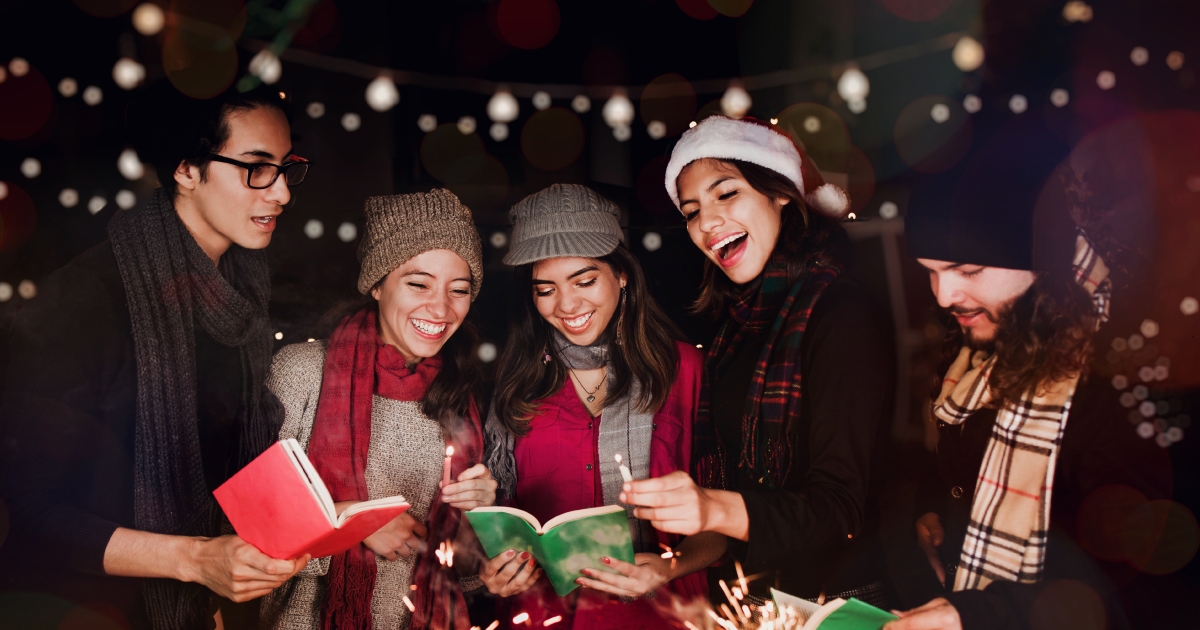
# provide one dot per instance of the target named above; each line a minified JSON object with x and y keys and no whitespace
{"x":563,"y":220}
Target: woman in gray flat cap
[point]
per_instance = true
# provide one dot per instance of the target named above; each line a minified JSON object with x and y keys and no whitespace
{"x":592,"y":369}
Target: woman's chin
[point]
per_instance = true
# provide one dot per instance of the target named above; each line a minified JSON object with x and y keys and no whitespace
{"x":746,"y":269}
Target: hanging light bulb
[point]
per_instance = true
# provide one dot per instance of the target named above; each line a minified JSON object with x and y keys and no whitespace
{"x":618,"y":110}
{"x":382,"y":94}
{"x":266,"y":66}
{"x":128,"y":73}
{"x":853,"y":86}
{"x":736,"y":101}
{"x":503,"y":106}
{"x":148,"y":18}
{"x":968,"y":54}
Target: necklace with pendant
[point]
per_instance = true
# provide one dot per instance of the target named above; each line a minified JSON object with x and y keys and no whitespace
{"x":592,"y":394}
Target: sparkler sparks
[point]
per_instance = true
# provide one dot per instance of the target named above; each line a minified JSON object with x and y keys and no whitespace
{"x":408,"y":602}
{"x":445,"y":555}
{"x":495,"y":624}
{"x":669,"y":554}
{"x":521,"y":618}
{"x":553,"y":620}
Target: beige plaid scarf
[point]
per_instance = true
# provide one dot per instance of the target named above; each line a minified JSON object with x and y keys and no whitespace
{"x":1010,"y":516}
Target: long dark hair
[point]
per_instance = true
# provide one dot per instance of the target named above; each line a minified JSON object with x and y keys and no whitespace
{"x":802,"y":235}
{"x":459,"y":384}
{"x":647,"y":350}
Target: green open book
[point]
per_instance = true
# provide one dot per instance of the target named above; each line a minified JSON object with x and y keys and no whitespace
{"x":839,"y":614}
{"x":564,"y":545}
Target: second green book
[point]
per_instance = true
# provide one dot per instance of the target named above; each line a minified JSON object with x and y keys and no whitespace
{"x":564,"y":545}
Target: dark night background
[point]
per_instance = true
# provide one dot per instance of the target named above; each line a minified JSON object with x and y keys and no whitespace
{"x":1144,"y":133}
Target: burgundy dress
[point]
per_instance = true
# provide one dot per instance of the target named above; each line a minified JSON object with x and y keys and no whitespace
{"x":559,"y":470}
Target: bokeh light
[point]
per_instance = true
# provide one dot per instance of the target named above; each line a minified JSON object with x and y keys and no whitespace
{"x":972,"y":104}
{"x":199,"y":55}
{"x":351,"y":121}
{"x":68,"y":87}
{"x":315,"y":109}
{"x":1106,"y":80}
{"x":853,"y":86}
{"x":656,"y":129}
{"x":314,"y":229}
{"x":581,"y":104}
{"x":527,"y":24}
{"x":552,"y":139}
{"x":127,"y":73}
{"x":669,"y":98}
{"x":652,"y":241}
{"x":25,"y":105}
{"x":487,"y":352}
{"x":68,"y":197}
{"x":382,"y":94}
{"x":929,"y":146}
{"x":125,"y":199}
{"x":498,"y":240}
{"x":1166,"y":537}
{"x":889,"y":210}
{"x":6,"y":292}
{"x":467,"y":125}
{"x":968,"y":54}
{"x":541,"y":100}
{"x":498,"y":131}
{"x":1018,"y":103}
{"x":618,"y":110}
{"x":148,"y":18}
{"x":266,"y":66}
{"x":1175,"y":60}
{"x":3,"y":190}
{"x":1077,"y":11}
{"x":1139,"y":56}
{"x":18,"y":66}
{"x":736,"y":100}
{"x":427,"y":122}
{"x":818,"y":130}
{"x":96,"y":204}
{"x":347,"y":232}
{"x":130,"y":165}
{"x":31,"y":167}
{"x":917,"y":10}
{"x":1060,"y":97}
{"x":503,"y":107}
{"x":93,"y":95}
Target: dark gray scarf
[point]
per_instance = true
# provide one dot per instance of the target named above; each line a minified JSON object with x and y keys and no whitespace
{"x":172,"y":288}
{"x":624,"y":429}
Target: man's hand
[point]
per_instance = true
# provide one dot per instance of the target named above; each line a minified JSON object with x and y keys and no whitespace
{"x":234,"y":569}
{"x":509,"y":573}
{"x":675,"y":504}
{"x":648,"y":572}
{"x":938,"y":614}
{"x":929,"y":537}
{"x":475,"y":488}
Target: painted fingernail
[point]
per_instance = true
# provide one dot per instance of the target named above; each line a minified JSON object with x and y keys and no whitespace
{"x":524,"y":555}
{"x":606,"y":560}
{"x":586,"y":571}
{"x":579,"y":581}
{"x":511,"y":553}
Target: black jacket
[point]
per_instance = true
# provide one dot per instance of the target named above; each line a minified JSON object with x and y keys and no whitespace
{"x":67,"y":436}
{"x":1100,"y":451}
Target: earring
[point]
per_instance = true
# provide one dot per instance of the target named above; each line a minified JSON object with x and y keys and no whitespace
{"x":621,"y":318}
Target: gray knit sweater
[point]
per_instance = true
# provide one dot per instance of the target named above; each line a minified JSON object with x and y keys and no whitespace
{"x":404,"y":458}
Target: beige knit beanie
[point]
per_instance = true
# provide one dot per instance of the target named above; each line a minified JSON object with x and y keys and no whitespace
{"x":400,"y":227}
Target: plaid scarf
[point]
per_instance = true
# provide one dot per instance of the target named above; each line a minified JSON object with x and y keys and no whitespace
{"x":774,"y":304}
{"x":1010,"y":515}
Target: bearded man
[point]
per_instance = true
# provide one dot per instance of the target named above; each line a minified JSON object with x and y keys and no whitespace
{"x":1025,"y":437}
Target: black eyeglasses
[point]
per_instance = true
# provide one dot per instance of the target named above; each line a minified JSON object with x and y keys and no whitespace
{"x":260,"y":175}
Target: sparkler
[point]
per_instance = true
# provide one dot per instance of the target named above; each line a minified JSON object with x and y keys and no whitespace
{"x":495,"y":624}
{"x":625,"y":474}
{"x":669,"y":554}
{"x":408,"y":602}
{"x":521,"y":618}
{"x":732,"y":600}
{"x":553,"y":620}
{"x":445,"y":555}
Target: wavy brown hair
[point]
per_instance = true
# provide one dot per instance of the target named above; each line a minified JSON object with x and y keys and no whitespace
{"x":647,"y":351}
{"x":1046,"y":335}
{"x":802,"y":235}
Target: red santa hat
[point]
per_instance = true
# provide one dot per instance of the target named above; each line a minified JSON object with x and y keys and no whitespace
{"x":753,"y":141}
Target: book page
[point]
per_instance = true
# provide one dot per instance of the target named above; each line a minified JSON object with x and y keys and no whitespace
{"x":820,"y":615}
{"x":575,"y":515}
{"x":803,"y":608}
{"x":320,"y":493}
{"x":521,"y":514}
{"x":367,"y":506}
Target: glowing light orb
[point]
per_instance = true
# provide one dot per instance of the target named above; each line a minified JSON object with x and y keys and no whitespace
{"x":382,"y":94}
{"x":1174,"y":60}
{"x":811,"y":124}
{"x":1139,"y":56}
{"x":1136,"y":342}
{"x":656,"y":129}
{"x":503,"y":106}
{"x":315,"y":109}
{"x":1189,"y":306}
{"x":347,"y":232}
{"x":68,"y":197}
{"x":541,"y":100}
{"x":1018,"y":103}
{"x":314,"y":229}
{"x":853,"y":85}
{"x":652,"y":241}
{"x":1106,"y":80}
{"x":31,"y":167}
{"x":6,"y":291}
{"x":93,"y":95}
{"x":487,"y":352}
{"x":498,"y":131}
{"x":266,"y":66}
{"x":889,"y":210}
{"x":940,"y":113}
{"x":972,"y":104}
{"x":581,"y":104}
{"x":736,"y":101}
{"x":278,"y":336}
{"x":27,"y":289}
{"x":427,"y":122}
{"x":1149,"y":328}
{"x":126,"y":199}
{"x":466,"y":125}
{"x":622,"y":133}
{"x":96,"y":204}
{"x":148,"y":18}
{"x":19,"y":67}
{"x":1060,"y":97}
{"x":1077,"y":11}
{"x":618,"y":111}
{"x":351,"y":121}
{"x":968,"y":54}
{"x":68,"y":87}
{"x":857,"y":107}
{"x":130,"y":165}
{"x":1120,"y":382}
{"x":3,"y":190}
{"x":498,"y":239}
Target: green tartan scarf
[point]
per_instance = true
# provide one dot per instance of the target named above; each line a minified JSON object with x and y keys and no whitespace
{"x":773,"y":303}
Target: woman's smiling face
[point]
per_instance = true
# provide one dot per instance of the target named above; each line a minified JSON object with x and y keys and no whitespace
{"x":578,"y":296}
{"x":422,"y":302}
{"x":732,"y":223}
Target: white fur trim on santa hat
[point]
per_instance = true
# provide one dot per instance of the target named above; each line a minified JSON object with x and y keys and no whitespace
{"x":829,"y":200}
{"x":729,"y":139}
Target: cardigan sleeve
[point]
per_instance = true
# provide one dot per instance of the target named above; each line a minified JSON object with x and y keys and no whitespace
{"x":295,"y":379}
{"x":66,"y":349}
{"x":849,"y":379}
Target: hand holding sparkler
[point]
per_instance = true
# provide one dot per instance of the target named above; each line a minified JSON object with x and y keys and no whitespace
{"x":676,"y":505}
{"x":474,"y":488}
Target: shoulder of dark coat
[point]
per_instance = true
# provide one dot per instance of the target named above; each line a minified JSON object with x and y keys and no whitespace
{"x":88,"y":290}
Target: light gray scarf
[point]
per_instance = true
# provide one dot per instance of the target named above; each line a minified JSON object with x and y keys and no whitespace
{"x":624,"y":429}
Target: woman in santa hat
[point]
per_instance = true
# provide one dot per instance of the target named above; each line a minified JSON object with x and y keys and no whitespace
{"x":798,"y":382}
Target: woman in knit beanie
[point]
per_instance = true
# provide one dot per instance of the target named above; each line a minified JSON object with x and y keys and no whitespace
{"x":592,"y":369}
{"x":782,"y":463}
{"x":377,"y":407}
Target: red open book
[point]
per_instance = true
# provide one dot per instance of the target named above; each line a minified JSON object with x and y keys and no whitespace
{"x":279,"y":504}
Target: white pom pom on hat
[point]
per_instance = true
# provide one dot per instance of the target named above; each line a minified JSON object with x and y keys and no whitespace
{"x":749,"y":140}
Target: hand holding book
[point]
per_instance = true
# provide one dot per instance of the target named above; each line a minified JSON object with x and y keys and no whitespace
{"x":397,"y":539}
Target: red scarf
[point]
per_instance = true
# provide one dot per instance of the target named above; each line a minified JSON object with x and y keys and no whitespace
{"x":357,"y":366}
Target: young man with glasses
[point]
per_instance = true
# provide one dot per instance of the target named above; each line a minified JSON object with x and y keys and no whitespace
{"x":135,"y":383}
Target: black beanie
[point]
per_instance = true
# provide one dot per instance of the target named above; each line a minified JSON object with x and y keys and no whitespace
{"x":1004,"y":206}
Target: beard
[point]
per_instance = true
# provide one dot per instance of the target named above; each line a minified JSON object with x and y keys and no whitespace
{"x":971,"y":337}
